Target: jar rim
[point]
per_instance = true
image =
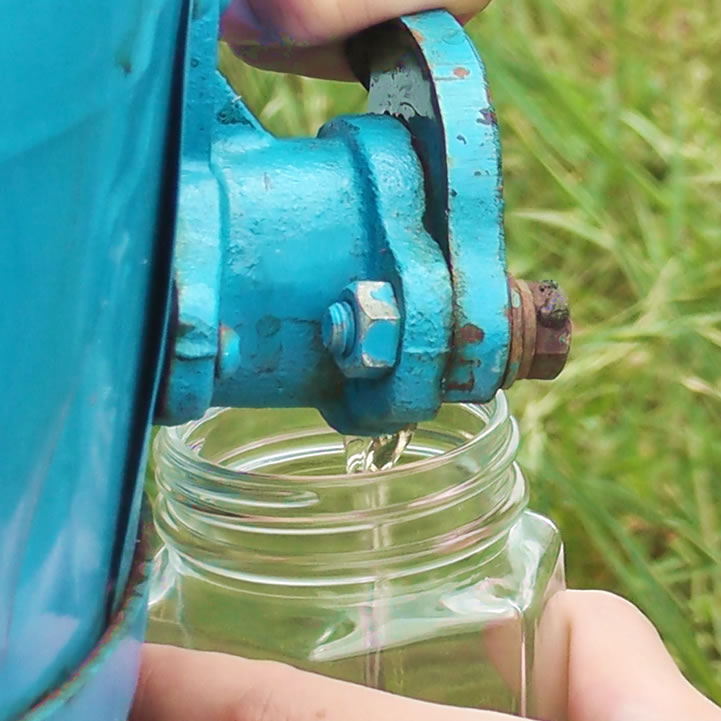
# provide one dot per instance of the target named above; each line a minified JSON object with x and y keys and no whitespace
{"x":176,"y":441}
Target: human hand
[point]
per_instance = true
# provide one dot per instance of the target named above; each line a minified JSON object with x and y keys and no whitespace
{"x":618,"y":670}
{"x":306,"y":37}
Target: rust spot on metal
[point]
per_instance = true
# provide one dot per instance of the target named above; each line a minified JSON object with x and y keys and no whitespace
{"x":461,"y":72}
{"x":469,"y":333}
{"x":466,"y":387}
{"x":418,"y":36}
{"x":487,"y":116}
{"x":554,"y":330}
{"x":551,"y":304}
{"x":522,"y":316}
{"x":540,"y":331}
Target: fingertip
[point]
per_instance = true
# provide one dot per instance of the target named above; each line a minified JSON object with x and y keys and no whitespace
{"x":583,"y":606}
{"x":299,"y":22}
{"x":240,"y":24}
{"x":618,"y":661}
{"x":327,"y":62}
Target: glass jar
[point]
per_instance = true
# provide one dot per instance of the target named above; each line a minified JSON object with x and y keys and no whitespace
{"x":427,"y":580}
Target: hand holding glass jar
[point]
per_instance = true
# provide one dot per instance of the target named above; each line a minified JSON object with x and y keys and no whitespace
{"x":618,"y":670}
{"x":430,"y":580}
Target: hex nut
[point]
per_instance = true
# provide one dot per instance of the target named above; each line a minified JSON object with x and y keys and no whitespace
{"x":553,"y":330}
{"x":541,"y":331}
{"x":377,"y":317}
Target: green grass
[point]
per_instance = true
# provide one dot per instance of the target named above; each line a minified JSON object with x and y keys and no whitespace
{"x":612,"y":147}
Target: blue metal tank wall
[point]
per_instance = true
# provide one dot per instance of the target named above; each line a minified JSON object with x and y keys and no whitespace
{"x":87,"y":184}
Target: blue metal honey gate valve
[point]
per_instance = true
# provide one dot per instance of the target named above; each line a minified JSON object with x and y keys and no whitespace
{"x":362,"y":272}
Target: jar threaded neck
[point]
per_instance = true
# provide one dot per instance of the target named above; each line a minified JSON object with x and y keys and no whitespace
{"x":240,"y":504}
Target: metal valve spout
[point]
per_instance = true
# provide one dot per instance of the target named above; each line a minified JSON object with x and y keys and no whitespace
{"x":361,"y":272}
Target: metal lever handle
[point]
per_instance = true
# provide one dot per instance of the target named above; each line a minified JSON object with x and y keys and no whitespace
{"x":425,"y":70}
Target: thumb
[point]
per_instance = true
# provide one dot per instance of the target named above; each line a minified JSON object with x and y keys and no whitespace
{"x":198,"y":686}
{"x":299,"y":22}
{"x":619,"y":668}
{"x":299,"y":36}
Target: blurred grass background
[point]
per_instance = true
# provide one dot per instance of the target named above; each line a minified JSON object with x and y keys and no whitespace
{"x":611,"y":122}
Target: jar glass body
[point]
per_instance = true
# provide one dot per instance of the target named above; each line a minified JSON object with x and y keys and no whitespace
{"x":428,"y":580}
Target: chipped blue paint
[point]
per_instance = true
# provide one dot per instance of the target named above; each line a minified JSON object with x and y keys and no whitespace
{"x":229,"y":355}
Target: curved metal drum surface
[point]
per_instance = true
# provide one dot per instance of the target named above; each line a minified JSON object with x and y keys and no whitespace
{"x":87,"y":183}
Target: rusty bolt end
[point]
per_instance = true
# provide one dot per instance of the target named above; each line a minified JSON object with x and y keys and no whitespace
{"x":551,"y":304}
{"x":553,"y":330}
{"x":540,"y":331}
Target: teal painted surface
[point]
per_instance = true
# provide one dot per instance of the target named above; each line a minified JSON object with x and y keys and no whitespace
{"x":86,"y":213}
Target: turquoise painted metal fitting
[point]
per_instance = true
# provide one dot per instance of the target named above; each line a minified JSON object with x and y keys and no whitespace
{"x":199,"y":239}
{"x":248,"y":251}
{"x":272,"y":230}
{"x":425,"y":70}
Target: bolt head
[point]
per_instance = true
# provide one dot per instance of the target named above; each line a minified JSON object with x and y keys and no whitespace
{"x":377,"y":326}
{"x":540,"y":331}
{"x":553,"y":330}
